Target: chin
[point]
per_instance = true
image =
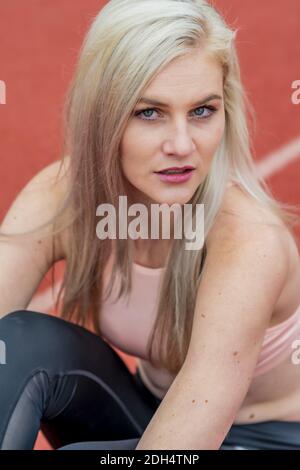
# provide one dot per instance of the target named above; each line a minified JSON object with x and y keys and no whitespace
{"x":175,"y":200}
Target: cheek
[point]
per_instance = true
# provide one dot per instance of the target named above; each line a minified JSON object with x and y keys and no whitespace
{"x":219,"y":133}
{"x":127,"y":152}
{"x":136,"y":151}
{"x":133,"y":144}
{"x":125,"y":145}
{"x":130,"y":155}
{"x":214,"y":135}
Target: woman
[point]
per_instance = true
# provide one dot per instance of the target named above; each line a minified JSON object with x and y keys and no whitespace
{"x":157,"y":86}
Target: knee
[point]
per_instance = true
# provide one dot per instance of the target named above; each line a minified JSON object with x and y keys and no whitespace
{"x":20,"y":321}
{"x":28,"y":334}
{"x":43,"y":333}
{"x":29,"y":329}
{"x":17,"y":316}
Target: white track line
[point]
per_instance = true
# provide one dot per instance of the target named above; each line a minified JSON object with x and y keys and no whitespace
{"x":268,"y":166}
{"x":277,"y":160}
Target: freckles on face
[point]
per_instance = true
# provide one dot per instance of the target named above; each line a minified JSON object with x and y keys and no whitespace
{"x":176,"y":133}
{"x":140,"y":145}
{"x":138,"y":159}
{"x":138,"y":149}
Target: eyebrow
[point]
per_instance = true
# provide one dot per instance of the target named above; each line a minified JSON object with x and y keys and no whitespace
{"x":154,"y":102}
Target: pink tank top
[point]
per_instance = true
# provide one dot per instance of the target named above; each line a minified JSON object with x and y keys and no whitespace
{"x":127,"y":325}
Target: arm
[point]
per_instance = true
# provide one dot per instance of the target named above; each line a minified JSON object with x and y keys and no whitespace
{"x":244,"y":273}
{"x":24,"y":262}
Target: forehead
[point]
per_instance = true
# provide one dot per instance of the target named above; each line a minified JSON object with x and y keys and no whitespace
{"x":190,"y":75}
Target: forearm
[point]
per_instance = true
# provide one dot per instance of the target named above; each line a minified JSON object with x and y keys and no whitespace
{"x":187,"y":420}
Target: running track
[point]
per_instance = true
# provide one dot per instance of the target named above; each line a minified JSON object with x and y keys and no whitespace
{"x":39,"y":42}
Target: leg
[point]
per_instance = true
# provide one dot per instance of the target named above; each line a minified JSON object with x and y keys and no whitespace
{"x":68,"y":381}
{"x":266,"y":435}
{"x":124,"y":444}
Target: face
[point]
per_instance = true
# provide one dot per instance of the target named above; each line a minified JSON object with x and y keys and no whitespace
{"x":185,"y":130}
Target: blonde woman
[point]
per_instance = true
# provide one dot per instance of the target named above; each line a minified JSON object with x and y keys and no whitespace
{"x":157,"y":87}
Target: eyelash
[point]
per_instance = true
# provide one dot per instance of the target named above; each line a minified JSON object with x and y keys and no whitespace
{"x":211,"y":108}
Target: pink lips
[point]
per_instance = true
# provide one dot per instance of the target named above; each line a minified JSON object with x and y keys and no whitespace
{"x":176,"y":178}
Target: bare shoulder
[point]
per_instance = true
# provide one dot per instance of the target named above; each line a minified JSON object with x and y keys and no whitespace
{"x":25,"y":261}
{"x":44,"y":192}
{"x":53,"y":178}
{"x":264,"y":239}
{"x":243,"y":218}
{"x":240,"y":210}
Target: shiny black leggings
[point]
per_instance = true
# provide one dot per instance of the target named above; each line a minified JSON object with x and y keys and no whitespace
{"x":68,"y":382}
{"x":71,"y":384}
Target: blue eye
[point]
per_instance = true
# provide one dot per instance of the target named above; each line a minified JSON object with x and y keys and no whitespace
{"x":211,"y":110}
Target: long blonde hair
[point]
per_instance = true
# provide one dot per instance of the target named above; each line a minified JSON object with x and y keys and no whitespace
{"x":128,"y":44}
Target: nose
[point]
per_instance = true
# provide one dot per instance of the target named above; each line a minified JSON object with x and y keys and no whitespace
{"x":181,"y":143}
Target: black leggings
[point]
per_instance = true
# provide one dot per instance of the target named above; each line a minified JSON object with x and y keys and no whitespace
{"x":71,"y":384}
{"x":68,"y":382}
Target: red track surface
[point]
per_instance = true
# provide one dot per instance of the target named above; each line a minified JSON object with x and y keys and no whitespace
{"x":39,"y":43}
